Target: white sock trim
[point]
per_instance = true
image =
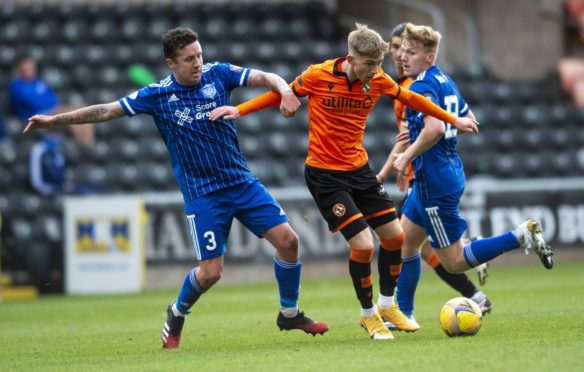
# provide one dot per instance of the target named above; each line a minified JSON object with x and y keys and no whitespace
{"x":385,"y":302}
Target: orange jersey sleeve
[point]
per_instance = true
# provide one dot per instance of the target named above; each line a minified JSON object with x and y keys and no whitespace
{"x":268,"y":99}
{"x":419,"y":103}
{"x":338,"y":110}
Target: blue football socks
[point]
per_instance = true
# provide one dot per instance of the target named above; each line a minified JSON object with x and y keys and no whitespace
{"x":288,"y":277}
{"x":408,"y":282}
{"x":484,"y":250}
{"x":189,"y":293}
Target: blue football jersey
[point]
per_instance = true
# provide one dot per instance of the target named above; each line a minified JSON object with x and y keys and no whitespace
{"x":438,"y":171}
{"x":205,"y":155}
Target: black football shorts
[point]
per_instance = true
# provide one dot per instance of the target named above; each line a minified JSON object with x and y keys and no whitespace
{"x":350,"y":201}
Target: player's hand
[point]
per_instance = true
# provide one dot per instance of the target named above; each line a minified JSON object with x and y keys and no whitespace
{"x":402,"y":182}
{"x":403,"y":136}
{"x":38,"y":122}
{"x":225,"y":112}
{"x":289,"y":104}
{"x":401,"y":167}
{"x":467,"y":125}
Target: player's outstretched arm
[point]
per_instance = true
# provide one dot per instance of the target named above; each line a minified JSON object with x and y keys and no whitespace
{"x":90,"y":114}
{"x":419,"y":103}
{"x":269,"y":99}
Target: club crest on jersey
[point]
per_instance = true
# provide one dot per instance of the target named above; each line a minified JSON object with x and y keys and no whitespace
{"x":209,"y":90}
{"x":339,"y":209}
{"x":365,"y":88}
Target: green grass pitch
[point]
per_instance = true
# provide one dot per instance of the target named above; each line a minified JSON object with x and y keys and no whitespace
{"x":537,"y":324}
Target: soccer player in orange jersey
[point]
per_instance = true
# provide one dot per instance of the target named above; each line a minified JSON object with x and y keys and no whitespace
{"x":341,"y":94}
{"x":460,"y":282}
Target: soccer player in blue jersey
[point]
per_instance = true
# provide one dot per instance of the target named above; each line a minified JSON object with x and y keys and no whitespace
{"x":431,"y":209}
{"x":214,"y":178}
{"x":458,"y":281}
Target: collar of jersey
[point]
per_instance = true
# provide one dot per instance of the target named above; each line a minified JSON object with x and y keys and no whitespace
{"x":184,"y":86}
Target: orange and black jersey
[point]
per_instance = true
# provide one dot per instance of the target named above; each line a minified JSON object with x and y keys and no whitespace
{"x":398,"y":107}
{"x":338,"y":110}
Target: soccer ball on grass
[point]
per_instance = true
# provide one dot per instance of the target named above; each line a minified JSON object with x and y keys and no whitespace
{"x":461,"y":316}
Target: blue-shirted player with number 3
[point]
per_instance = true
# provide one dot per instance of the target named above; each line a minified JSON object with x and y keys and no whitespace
{"x":214,"y":178}
{"x":431,"y":210}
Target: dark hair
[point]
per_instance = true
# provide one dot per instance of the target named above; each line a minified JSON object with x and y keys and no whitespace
{"x":398,"y":30}
{"x":174,"y":40}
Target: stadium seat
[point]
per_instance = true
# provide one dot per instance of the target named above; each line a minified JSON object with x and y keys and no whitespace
{"x":155,"y":149}
{"x":125,"y":150}
{"x":538,"y":164}
{"x":154,"y":177}
{"x":560,"y":115}
{"x":507,"y":166}
{"x":291,"y":52}
{"x":65,"y":56}
{"x":15,"y":31}
{"x":88,"y":175}
{"x":7,"y":58}
{"x":535,"y":140}
{"x":253,"y":147}
{"x":214,"y":29}
{"x":264,"y":170}
{"x":102,"y":29}
{"x":272,"y":29}
{"x":44,"y":32}
{"x":5,"y":181}
{"x":157,"y":26}
{"x":74,"y":30}
{"x":535,"y":115}
{"x":503,"y":93}
{"x":244,"y":29}
{"x":7,"y":154}
{"x":505,"y":116}
{"x":132,"y":28}
{"x":565,"y":164}
{"x":279,"y":145}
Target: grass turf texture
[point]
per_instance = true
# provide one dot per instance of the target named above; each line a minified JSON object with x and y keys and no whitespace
{"x":537,"y":323}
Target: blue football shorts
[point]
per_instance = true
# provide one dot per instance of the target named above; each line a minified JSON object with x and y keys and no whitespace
{"x":209,"y":217}
{"x":439,"y":216}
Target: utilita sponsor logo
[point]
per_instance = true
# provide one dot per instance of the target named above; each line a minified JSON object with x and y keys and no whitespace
{"x":348,"y":103}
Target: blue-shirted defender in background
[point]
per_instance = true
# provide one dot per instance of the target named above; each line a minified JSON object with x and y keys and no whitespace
{"x":431,"y":210}
{"x":214,"y":178}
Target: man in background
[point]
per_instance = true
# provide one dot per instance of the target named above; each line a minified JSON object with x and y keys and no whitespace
{"x":30,"y":95}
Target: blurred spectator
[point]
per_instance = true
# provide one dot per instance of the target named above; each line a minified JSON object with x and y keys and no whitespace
{"x":30,"y":95}
{"x":571,"y":69}
{"x":48,"y":167}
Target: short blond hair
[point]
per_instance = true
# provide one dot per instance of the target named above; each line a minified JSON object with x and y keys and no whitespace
{"x":366,"y":42}
{"x":425,"y":35}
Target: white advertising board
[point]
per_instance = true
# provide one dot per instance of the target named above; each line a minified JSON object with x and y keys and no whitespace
{"x":104,"y":244}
